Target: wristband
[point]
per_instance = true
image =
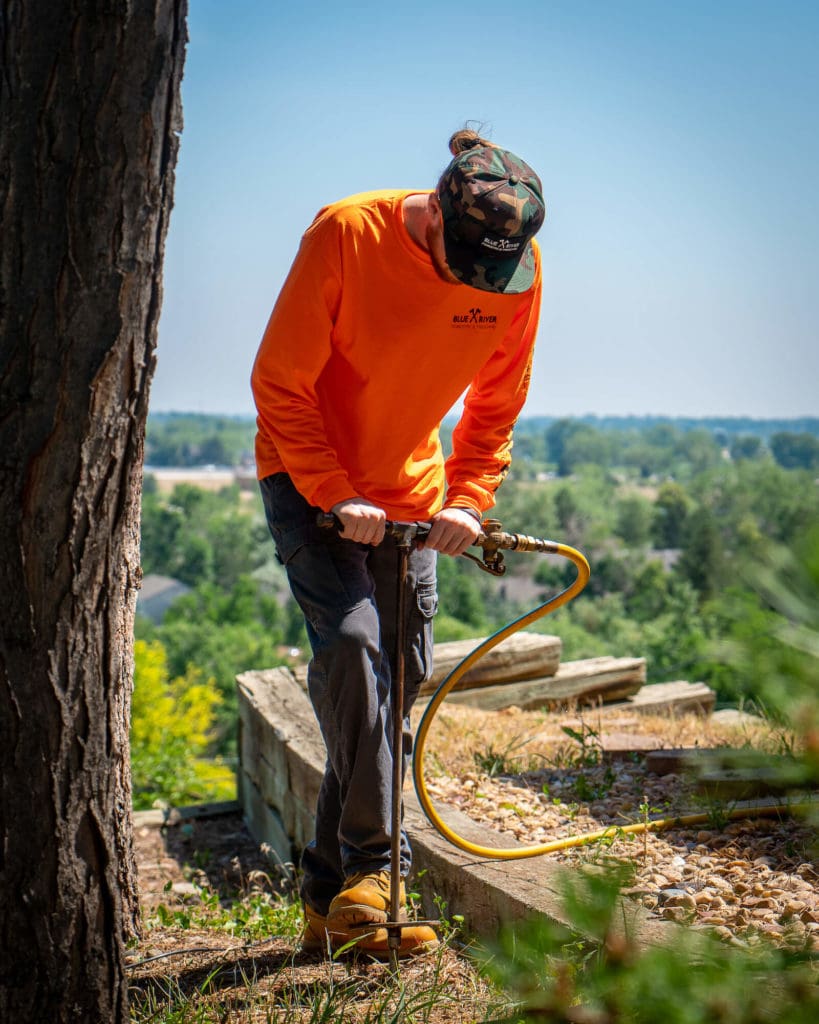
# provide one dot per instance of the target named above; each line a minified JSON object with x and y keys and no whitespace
{"x":463,"y":508}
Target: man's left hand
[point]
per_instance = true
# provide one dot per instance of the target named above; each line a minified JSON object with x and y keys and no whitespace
{"x":453,"y":531}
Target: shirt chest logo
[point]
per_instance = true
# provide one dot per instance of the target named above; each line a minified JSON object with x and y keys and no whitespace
{"x":475,"y":319}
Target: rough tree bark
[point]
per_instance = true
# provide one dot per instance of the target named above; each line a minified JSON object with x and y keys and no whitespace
{"x":89,"y":124}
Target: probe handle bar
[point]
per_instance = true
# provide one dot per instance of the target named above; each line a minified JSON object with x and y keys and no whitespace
{"x":404,"y":532}
{"x":491,"y":540}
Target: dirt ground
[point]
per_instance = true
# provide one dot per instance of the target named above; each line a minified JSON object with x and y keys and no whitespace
{"x":217,"y":852}
{"x":270,"y":979}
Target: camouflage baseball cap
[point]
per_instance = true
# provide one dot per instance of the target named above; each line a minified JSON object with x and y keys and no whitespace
{"x":492,"y":205}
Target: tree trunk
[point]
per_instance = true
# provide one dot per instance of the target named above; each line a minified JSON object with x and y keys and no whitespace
{"x":89,"y":124}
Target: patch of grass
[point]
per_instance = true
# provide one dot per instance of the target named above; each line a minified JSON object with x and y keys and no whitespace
{"x":237,"y":961}
{"x":286,"y":990}
{"x":252,"y":916}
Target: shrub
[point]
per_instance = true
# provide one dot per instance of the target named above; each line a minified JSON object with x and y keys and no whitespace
{"x":171,"y":723}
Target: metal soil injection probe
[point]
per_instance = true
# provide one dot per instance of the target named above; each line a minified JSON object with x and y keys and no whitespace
{"x":493,"y":541}
{"x":406,"y":535}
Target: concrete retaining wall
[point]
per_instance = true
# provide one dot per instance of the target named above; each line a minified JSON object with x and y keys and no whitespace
{"x":281,"y":765}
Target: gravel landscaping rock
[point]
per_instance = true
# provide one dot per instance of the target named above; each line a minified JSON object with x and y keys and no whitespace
{"x":740,"y":878}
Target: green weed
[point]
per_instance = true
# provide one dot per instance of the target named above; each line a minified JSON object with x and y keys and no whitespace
{"x":500,"y":762}
{"x":590,"y":750}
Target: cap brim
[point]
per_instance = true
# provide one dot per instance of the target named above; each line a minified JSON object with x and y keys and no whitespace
{"x":509,"y":276}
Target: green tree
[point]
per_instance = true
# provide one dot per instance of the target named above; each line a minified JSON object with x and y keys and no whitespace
{"x":634,"y":517}
{"x":663,"y":435}
{"x":675,"y":642}
{"x":530,"y":450}
{"x":701,"y":559}
{"x":554,"y":575}
{"x":594,"y":492}
{"x":597,"y":627}
{"x":213,"y":452}
{"x":767,"y":636}
{"x":526,"y":507}
{"x":585,"y":446}
{"x":611,"y":575}
{"x":557,"y":436}
{"x":648,"y":459}
{"x":746,"y":446}
{"x":222,"y":633}
{"x":199,"y":536}
{"x":162,"y":527}
{"x":755,"y":500}
{"x":459,"y":595}
{"x":670,"y":514}
{"x":648,"y":595}
{"x":698,"y":450}
{"x":568,"y":514}
{"x":795,"y":451}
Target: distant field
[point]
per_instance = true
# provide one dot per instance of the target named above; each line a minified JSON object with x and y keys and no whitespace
{"x":209,"y":479}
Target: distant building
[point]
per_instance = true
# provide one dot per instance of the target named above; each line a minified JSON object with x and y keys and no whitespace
{"x":158,"y":593}
{"x":668,"y":556}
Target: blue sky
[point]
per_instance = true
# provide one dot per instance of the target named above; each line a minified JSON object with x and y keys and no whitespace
{"x":678,"y":145}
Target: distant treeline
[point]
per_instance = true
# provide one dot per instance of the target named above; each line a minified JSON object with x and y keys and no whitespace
{"x":720,"y":426}
{"x":199,"y":439}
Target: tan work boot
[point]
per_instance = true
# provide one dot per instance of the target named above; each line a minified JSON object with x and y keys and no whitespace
{"x":365,"y":899}
{"x":416,"y":940}
{"x":321,"y":936}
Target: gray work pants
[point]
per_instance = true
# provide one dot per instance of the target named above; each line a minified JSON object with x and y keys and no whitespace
{"x":348,"y":594}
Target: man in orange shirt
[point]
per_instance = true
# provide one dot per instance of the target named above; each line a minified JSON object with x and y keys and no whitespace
{"x":397,"y":302}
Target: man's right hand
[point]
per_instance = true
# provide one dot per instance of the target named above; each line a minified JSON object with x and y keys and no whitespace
{"x":361,"y":520}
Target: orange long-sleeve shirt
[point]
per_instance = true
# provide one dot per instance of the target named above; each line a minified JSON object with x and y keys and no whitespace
{"x":365,"y":352}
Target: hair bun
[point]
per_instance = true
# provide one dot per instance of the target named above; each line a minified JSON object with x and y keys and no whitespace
{"x":464,"y":139}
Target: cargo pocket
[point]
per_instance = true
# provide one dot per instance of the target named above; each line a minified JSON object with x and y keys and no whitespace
{"x":290,"y":519}
{"x":289,"y":542}
{"x":419,"y":655}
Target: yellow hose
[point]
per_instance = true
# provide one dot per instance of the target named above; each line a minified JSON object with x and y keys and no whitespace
{"x":520,"y":852}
